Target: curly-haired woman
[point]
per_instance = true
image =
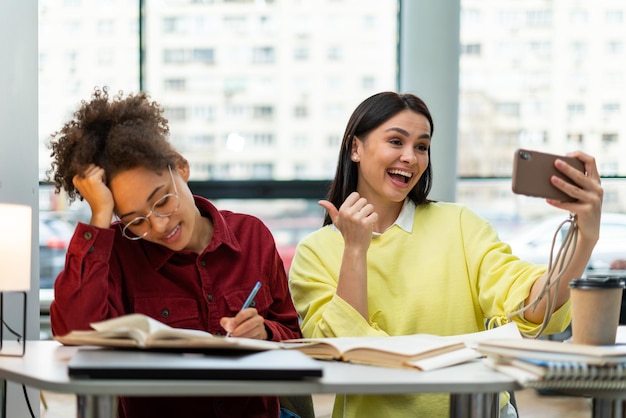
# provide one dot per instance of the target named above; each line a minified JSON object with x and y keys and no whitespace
{"x":152,"y":247}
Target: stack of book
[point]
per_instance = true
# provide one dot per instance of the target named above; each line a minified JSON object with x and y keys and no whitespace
{"x":545,"y":364}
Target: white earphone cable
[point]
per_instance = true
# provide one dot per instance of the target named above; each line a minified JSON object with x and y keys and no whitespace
{"x":556,"y":268}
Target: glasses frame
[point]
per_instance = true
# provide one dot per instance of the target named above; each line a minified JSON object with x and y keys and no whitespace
{"x":127,"y":226}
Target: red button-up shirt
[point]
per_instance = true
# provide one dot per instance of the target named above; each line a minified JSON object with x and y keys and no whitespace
{"x":107,"y":275}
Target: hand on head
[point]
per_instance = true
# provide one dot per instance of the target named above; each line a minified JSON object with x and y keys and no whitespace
{"x":247,"y":324}
{"x":92,"y":187}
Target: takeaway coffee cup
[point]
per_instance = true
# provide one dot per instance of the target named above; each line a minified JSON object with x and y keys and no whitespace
{"x":596,"y":304}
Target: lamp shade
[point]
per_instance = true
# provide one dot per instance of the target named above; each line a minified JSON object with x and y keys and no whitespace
{"x":15,"y":247}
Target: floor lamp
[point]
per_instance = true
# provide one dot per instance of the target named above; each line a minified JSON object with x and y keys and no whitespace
{"x":15,"y":256}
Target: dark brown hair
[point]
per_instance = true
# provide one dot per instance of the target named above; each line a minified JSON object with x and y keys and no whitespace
{"x":117,"y":134}
{"x":370,"y":114}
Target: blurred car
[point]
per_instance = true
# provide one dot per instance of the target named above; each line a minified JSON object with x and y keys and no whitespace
{"x":534,"y":244}
{"x":54,"y":238}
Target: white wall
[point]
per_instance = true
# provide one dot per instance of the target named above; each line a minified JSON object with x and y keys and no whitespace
{"x":18,"y":158}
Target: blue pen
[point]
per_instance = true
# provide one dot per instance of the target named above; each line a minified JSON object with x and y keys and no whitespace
{"x":248,"y":301}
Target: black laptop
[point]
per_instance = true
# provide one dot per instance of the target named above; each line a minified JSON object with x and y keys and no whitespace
{"x":139,"y":364}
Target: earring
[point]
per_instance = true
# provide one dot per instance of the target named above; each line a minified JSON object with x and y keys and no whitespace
{"x":355,"y":158}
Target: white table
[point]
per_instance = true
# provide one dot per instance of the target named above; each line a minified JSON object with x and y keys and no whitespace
{"x":474,"y":388}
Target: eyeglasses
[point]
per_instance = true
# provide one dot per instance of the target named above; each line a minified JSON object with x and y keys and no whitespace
{"x":162,"y":208}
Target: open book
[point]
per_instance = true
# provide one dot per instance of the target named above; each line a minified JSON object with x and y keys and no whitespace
{"x":418,"y":351}
{"x":141,"y":331}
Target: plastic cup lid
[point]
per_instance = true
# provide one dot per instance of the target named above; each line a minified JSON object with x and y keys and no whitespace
{"x":597,"y":283}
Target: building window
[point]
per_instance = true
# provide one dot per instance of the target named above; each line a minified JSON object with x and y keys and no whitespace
{"x":368,"y":82}
{"x":203,"y":55}
{"x":174,"y":56}
{"x":262,"y":170}
{"x":104,"y":27}
{"x":615,"y":17}
{"x":263,"y":139}
{"x":202,"y":140}
{"x":575,"y":138}
{"x":176,"y":113}
{"x":575,"y":109}
{"x":614,"y":47}
{"x":300,"y":140}
{"x":508,"y":109}
{"x":263,"y":112}
{"x":333,"y":141}
{"x":471,"y":49}
{"x":205,"y":113}
{"x":609,"y":138}
{"x":301,"y":53}
{"x":300,"y":111}
{"x":263,"y":55}
{"x":174,"y":84}
{"x":172,"y":24}
{"x":611,"y":108}
{"x":334,"y":53}
{"x":539,"y":18}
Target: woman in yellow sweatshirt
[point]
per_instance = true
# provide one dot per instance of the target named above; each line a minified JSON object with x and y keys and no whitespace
{"x":391,"y":262}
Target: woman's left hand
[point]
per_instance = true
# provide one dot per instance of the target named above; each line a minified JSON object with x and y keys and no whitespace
{"x":588,"y":192}
{"x":247,"y":323}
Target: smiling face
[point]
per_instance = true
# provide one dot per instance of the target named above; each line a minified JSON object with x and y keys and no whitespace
{"x":392,"y":158}
{"x":135,"y":192}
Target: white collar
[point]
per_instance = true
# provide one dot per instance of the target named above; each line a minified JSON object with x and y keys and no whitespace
{"x":404,"y":220}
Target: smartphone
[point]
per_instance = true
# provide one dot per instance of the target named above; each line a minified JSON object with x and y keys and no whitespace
{"x":532,"y":171}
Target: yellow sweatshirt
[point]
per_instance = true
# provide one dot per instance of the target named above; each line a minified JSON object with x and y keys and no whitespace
{"x":444,"y":273}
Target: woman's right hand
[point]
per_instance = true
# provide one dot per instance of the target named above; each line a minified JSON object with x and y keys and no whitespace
{"x":92,"y":187}
{"x":355,"y":219}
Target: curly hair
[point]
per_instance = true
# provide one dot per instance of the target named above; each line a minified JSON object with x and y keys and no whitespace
{"x":117,"y":134}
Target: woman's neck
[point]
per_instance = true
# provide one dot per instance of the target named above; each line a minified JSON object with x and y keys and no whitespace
{"x":388,"y":213}
{"x":202,"y":235}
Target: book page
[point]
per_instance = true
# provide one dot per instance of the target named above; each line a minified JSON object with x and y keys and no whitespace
{"x":138,"y":330}
{"x":403,"y":350}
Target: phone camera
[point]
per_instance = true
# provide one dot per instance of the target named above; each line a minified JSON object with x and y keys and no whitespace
{"x":525,"y":155}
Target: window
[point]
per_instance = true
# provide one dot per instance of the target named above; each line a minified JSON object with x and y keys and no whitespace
{"x":174,"y":56}
{"x":508,"y":109}
{"x":609,"y":138}
{"x":615,"y":47}
{"x":300,"y":111}
{"x":470,"y":49}
{"x":176,"y":113}
{"x":263,"y":112}
{"x":611,"y":109}
{"x":334,"y":53}
{"x":614,"y":17}
{"x":263,"y":55}
{"x":575,"y":109}
{"x":175,"y":84}
{"x":575,"y":138}
{"x":301,"y":53}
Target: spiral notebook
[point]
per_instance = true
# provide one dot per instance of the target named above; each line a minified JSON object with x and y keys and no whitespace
{"x":540,"y":374}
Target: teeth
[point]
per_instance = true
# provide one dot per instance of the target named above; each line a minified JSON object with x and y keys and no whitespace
{"x":172,"y":233}
{"x":401,"y":173}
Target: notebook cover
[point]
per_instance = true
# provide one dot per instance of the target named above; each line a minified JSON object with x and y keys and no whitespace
{"x":139,"y":364}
